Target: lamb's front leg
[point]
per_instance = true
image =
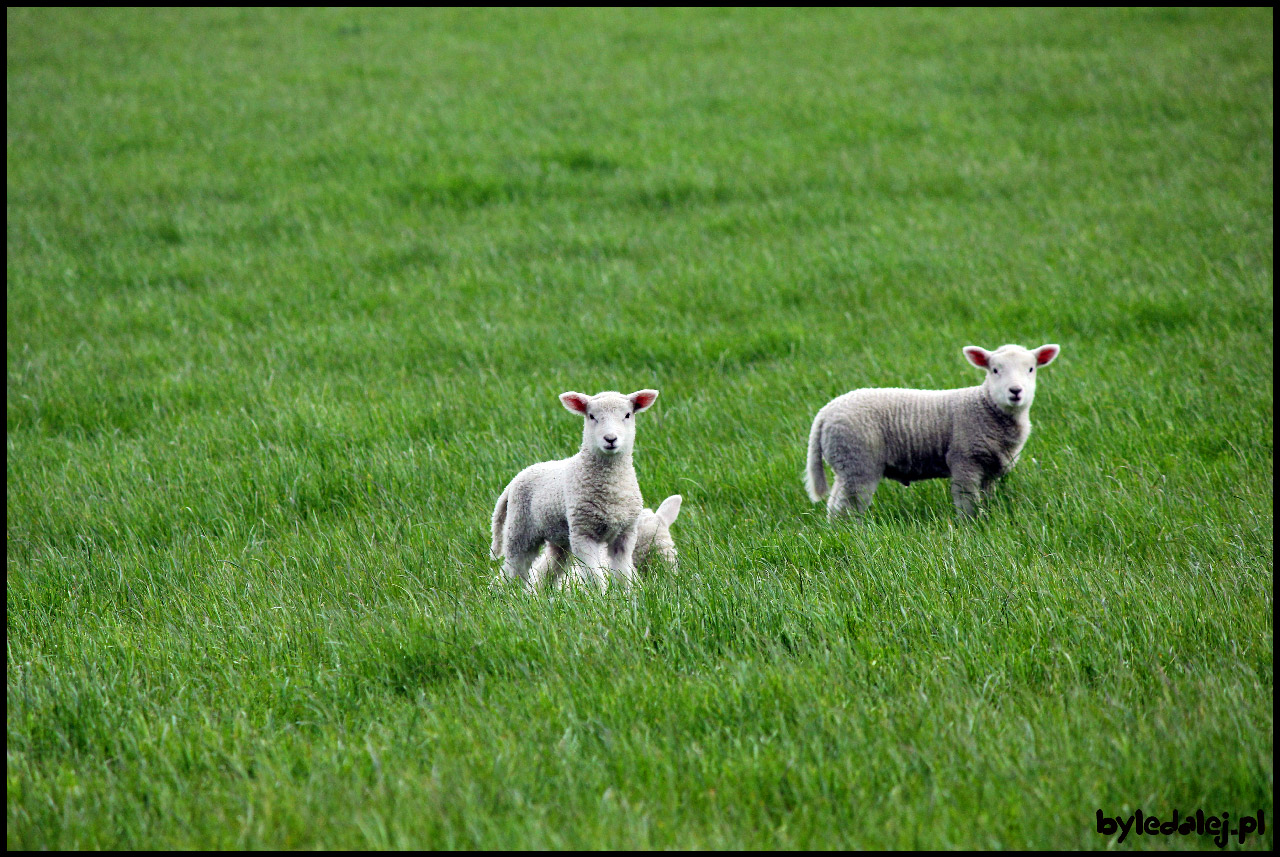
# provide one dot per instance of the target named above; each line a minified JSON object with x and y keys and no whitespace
{"x":966,"y":487}
{"x":620,"y":556}
{"x":592,"y":554}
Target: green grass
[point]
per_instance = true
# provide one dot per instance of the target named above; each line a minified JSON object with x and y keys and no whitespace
{"x":291,"y":295}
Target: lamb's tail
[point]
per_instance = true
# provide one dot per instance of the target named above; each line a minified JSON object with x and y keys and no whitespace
{"x":499,"y":522}
{"x":815,"y":478}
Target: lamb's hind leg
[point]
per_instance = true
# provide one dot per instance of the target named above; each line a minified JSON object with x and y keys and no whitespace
{"x":850,"y":497}
{"x":860,"y":495}
{"x":557,"y":560}
{"x":837,"y":500}
{"x":519,"y":551}
{"x":516,"y":564}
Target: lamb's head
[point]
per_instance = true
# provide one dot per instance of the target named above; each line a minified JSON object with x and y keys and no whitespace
{"x":653,"y":534}
{"x":609,"y":427}
{"x":1011,"y":372}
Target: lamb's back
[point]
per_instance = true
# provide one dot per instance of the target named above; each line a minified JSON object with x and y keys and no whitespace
{"x":908,"y":431}
{"x":537,"y":495}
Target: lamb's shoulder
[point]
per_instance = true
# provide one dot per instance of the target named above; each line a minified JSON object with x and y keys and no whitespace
{"x":990,"y":437}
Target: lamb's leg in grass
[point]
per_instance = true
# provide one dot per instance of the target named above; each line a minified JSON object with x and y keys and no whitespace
{"x":593,"y":555}
{"x":851,"y":496}
{"x":557,"y":560}
{"x":966,"y":489}
{"x":620,"y":554}
{"x":837,"y":500}
{"x":516,"y":564}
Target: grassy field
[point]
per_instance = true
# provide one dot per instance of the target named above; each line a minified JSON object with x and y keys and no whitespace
{"x":291,"y":295}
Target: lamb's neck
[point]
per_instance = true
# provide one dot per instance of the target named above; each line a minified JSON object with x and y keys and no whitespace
{"x":595,"y":461}
{"x":1016,"y":420}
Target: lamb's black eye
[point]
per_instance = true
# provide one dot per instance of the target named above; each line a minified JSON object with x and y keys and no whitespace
{"x":995,"y":371}
{"x":592,"y":417}
{"x":1032,"y":369}
{"x":627,"y":417}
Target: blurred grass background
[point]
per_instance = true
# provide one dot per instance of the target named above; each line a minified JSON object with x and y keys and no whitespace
{"x":290,"y":297}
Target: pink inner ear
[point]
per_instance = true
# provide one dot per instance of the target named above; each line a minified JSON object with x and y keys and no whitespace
{"x":1044,"y":355}
{"x":574,"y":402}
{"x":977,"y":356}
{"x":642,"y":400}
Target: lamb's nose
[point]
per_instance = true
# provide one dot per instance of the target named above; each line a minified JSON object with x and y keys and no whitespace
{"x":610,"y":438}
{"x":1015,"y":391}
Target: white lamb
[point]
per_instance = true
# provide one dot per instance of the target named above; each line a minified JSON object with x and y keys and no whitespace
{"x":587,"y":505}
{"x":974,"y":434}
{"x":653,"y":544}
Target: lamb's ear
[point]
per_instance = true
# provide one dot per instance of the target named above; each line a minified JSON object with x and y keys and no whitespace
{"x":670,"y":509}
{"x":977,"y":356}
{"x":643,"y":399}
{"x":575,"y":402}
{"x":1046,"y":354}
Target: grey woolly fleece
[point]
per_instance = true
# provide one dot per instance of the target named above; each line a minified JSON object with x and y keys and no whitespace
{"x":974,"y":434}
{"x":911,"y":435}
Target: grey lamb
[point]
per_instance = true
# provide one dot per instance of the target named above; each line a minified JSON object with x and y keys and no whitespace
{"x":973,"y":435}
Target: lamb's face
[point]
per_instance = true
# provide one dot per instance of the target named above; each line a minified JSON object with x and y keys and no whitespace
{"x":653,"y":534}
{"x":1011,"y":372}
{"x":609,"y":427}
